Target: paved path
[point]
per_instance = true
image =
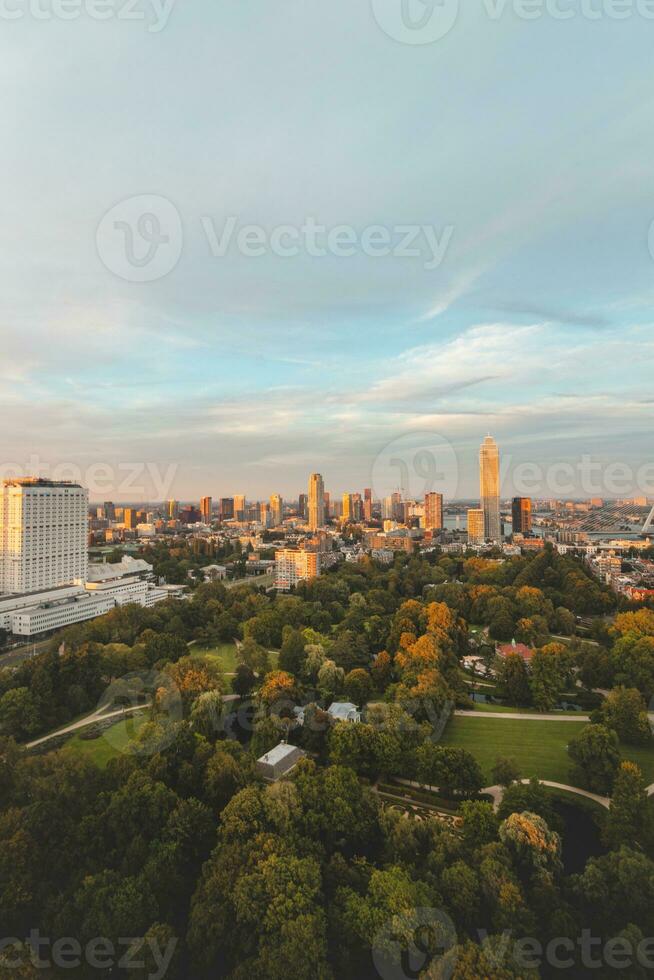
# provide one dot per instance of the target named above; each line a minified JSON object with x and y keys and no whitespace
{"x":497,"y":792}
{"x":521,"y":715}
{"x":101,"y":715}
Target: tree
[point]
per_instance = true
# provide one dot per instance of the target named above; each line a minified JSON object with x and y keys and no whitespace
{"x":330,"y":680}
{"x":624,"y":711}
{"x":630,"y":818}
{"x":547,"y":678}
{"x":358,"y":686}
{"x":279,"y":691}
{"x":595,"y":753}
{"x":451,"y":769}
{"x":513,"y":679}
{"x":531,"y":796}
{"x":19,"y":713}
{"x":479,"y":823}
{"x":534,"y":847}
{"x":243,"y":680}
{"x":292,"y":654}
{"x":254,"y":656}
{"x":505,"y":771}
{"x":207,"y":714}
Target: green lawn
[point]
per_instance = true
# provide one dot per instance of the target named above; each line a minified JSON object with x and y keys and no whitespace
{"x":224,"y":654}
{"x":111,"y":742}
{"x":538,"y":747}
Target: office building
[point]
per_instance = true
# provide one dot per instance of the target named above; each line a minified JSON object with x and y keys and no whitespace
{"x":367,"y":504}
{"x":227,"y":508}
{"x":172,"y":509}
{"x":276,"y":509}
{"x":489,"y":481}
{"x":303,"y":506}
{"x":239,"y":506}
{"x":316,"y":502}
{"x":348,"y":514}
{"x":521,"y":515}
{"x":43,"y":534}
{"x":433,"y":511}
{"x":476,"y":527}
{"x":130,"y":518}
{"x":206,"y":509}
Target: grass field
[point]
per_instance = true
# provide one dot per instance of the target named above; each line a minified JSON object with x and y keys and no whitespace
{"x":538,"y":747}
{"x":110,"y":744}
{"x":224,"y":655}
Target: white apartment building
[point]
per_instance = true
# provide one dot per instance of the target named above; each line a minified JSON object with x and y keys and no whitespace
{"x":294,"y":565}
{"x":43,"y":534}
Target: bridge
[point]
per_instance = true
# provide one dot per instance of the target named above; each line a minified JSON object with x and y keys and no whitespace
{"x":648,"y":526}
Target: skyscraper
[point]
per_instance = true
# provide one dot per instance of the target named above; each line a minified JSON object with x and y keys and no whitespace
{"x":172,"y":507}
{"x":239,"y":506}
{"x":316,"y":502}
{"x":43,"y":534}
{"x":521,"y":514}
{"x":276,"y":509}
{"x":226,"y":508}
{"x":367,"y":504}
{"x":434,"y":511}
{"x":303,"y":505}
{"x":489,"y":479}
{"x":206,"y":507}
{"x":348,"y":507}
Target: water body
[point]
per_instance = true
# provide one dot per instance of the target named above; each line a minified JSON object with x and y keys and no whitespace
{"x":581,"y":836}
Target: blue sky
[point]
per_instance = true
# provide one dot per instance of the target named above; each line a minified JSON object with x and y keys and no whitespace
{"x":531,"y":140}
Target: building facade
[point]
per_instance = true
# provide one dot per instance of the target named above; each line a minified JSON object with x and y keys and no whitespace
{"x":433,"y":511}
{"x":521,"y":515}
{"x":295,"y":565}
{"x":476,"y":526}
{"x":43,"y":534}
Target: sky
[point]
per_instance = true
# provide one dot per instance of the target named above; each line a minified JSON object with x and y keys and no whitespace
{"x":154,"y":348}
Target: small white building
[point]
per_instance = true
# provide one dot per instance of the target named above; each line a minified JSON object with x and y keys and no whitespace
{"x":344,"y":711}
{"x":279,"y":761}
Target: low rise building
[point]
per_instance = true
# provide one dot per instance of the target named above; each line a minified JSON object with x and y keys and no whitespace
{"x":279,"y":761}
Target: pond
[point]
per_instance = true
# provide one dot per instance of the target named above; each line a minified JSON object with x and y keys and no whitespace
{"x":581,"y":836}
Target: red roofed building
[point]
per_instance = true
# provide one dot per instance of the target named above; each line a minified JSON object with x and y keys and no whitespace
{"x":521,"y":649}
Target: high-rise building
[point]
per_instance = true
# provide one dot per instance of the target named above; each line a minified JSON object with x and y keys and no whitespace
{"x":328,"y":504}
{"x":521,"y":515}
{"x":239,"y":506}
{"x":276,"y":509}
{"x":367,"y":504}
{"x":295,"y":565}
{"x":226,"y":508}
{"x":303,"y":505}
{"x":172,"y":509}
{"x":351,"y":507}
{"x":489,"y":481}
{"x":433,"y":511}
{"x":265,"y":513}
{"x":316,"y":502}
{"x":43,"y":534}
{"x":476,"y":527}
{"x":109,"y":510}
{"x":130,"y":518}
{"x":206,"y":509}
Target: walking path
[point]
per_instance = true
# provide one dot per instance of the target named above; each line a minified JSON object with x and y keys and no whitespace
{"x":521,"y":715}
{"x":497,"y":792}
{"x":101,"y":714}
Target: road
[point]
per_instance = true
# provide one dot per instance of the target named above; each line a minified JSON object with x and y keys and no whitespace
{"x":497,"y":792}
{"x":18,"y":656}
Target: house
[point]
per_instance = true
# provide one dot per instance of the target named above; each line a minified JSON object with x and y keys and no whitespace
{"x":279,"y":761}
{"x":343,"y":711}
{"x":521,"y":649}
{"x":213,"y":573}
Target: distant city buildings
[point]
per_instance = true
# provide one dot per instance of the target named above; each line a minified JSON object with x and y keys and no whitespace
{"x":293,"y":565}
{"x":276,"y":509}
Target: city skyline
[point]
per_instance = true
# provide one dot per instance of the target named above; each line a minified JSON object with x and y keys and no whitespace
{"x":536,"y":325}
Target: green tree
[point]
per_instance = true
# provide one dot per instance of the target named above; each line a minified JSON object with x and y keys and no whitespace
{"x":505,"y":771}
{"x":624,"y":711}
{"x":630,"y":817}
{"x":595,"y":753}
{"x":358,"y":686}
{"x":513,"y":679}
